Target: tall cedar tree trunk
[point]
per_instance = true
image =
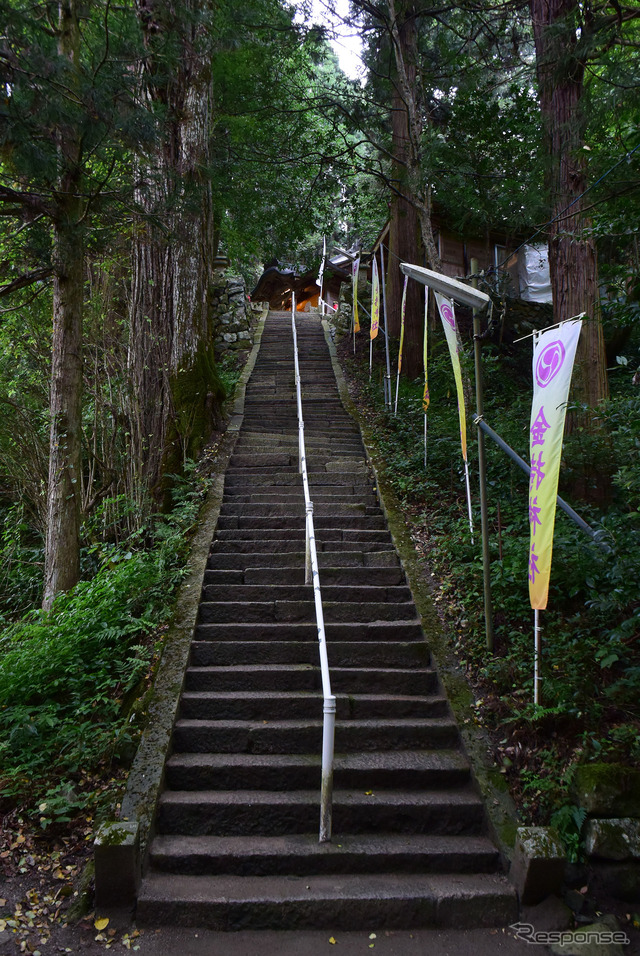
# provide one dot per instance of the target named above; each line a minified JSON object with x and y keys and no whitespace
{"x":175,"y":389}
{"x":62,"y":551}
{"x":409,"y":110}
{"x":404,"y":227}
{"x":572,"y":253}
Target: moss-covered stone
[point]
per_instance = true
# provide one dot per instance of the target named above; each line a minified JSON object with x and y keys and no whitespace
{"x":538,"y":863}
{"x":613,"y":839}
{"x":607,"y":790}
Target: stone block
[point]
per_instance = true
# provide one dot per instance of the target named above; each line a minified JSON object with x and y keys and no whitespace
{"x":604,"y":938}
{"x":538,"y":864}
{"x":608,"y":790}
{"x":117,"y":861}
{"x":613,"y":839}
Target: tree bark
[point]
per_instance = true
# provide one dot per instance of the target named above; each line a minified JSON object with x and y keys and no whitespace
{"x":404,"y":227}
{"x":62,"y":549}
{"x":572,"y":252}
{"x":411,"y":231}
{"x":175,"y":389}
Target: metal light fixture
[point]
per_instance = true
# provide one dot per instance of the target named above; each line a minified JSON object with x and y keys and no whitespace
{"x":453,"y":289}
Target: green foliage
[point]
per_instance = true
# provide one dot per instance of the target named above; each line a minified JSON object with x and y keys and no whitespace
{"x":21,"y":563}
{"x":590,"y":653}
{"x":67,"y":675}
{"x":569,"y":821}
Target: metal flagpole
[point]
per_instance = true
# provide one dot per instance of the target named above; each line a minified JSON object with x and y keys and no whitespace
{"x":466,"y":475}
{"x":387,"y":378}
{"x":536,"y":656}
{"x":425,"y":441}
{"x":482,"y":473}
{"x":425,"y":394}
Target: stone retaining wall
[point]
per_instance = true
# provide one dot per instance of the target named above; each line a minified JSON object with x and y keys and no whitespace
{"x":231,"y":314}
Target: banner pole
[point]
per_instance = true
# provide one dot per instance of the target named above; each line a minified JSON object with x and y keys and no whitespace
{"x":387,"y":378}
{"x":482,"y":473}
{"x":536,"y":657}
{"x":425,"y":441}
{"x":425,"y":394}
{"x":466,"y":475}
{"x":370,"y":357}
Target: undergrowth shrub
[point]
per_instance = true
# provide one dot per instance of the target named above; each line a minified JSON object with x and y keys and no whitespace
{"x":590,"y":652}
{"x":68,"y":677}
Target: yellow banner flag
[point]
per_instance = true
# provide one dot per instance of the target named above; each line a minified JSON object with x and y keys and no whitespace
{"x":375,"y":300}
{"x":448,"y":317}
{"x":553,"y":356}
{"x":355,"y":265}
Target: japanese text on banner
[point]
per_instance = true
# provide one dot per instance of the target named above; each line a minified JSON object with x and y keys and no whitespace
{"x":553,"y":356}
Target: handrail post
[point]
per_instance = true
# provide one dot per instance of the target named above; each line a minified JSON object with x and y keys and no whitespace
{"x":326,"y":789}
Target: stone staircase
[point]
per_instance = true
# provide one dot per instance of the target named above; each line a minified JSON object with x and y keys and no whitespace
{"x":236,"y":834}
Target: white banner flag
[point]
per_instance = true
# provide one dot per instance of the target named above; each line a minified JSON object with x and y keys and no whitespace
{"x":553,"y":356}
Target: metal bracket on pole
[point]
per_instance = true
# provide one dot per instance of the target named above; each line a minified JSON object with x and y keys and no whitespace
{"x":308,"y":573}
{"x":300,"y":446}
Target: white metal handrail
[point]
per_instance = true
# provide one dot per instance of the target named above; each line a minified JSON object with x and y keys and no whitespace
{"x":312,"y":577}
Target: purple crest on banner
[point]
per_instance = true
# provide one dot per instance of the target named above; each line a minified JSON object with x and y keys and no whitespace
{"x":447,"y":313}
{"x":549,"y":363}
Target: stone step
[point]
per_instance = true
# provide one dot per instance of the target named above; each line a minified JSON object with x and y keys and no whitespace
{"x":295,"y":632}
{"x":422,"y":769}
{"x":275,"y":459}
{"x":296,"y":508}
{"x":336,"y":577}
{"x":302,"y":855}
{"x":289,"y":546}
{"x":346,"y":575}
{"x":298,"y":535}
{"x":297,"y":497}
{"x":374,"y":901}
{"x":296,"y":559}
{"x":305,"y":735}
{"x":275,"y":522}
{"x":303,"y":592}
{"x":273,"y":479}
{"x":351,"y":680}
{"x":304,"y":704}
{"x":401,"y":654}
{"x":262,"y":444}
{"x":248,"y":812}
{"x":274,"y":612}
